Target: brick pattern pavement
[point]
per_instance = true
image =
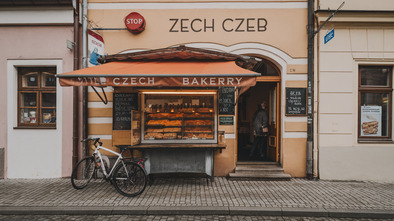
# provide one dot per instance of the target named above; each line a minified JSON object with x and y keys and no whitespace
{"x":297,"y":193}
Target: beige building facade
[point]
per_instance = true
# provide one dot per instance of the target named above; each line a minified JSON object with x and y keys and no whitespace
{"x":353,"y":85}
{"x":273,"y":31}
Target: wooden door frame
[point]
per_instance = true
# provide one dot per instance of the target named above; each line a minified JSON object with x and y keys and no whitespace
{"x":277,"y":80}
{"x":267,"y":79}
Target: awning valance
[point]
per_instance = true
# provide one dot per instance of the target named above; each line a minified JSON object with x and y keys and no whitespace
{"x":162,"y":73}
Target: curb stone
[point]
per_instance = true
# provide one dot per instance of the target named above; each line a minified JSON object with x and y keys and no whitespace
{"x":188,"y":210}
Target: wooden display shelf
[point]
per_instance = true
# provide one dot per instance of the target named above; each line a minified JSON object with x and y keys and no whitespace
{"x":163,"y":146}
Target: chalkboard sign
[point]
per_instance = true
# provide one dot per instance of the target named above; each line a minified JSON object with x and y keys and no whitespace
{"x":226,"y":120}
{"x":295,"y":101}
{"x":122,"y":106}
{"x":226,"y":101}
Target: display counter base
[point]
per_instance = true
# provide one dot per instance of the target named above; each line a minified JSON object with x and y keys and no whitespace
{"x":179,"y":158}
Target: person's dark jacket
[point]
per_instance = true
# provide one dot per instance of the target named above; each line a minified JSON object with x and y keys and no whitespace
{"x":260,"y":119}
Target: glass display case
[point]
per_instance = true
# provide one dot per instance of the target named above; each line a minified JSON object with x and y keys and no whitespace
{"x":179,"y":117}
{"x":135,"y":127}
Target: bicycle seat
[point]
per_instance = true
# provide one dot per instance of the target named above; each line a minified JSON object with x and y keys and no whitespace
{"x":123,"y":147}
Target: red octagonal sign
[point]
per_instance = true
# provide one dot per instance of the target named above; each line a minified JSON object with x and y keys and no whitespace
{"x":135,"y":23}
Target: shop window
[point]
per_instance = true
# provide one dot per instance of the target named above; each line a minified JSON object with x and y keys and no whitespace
{"x":36,"y":97}
{"x":180,"y":117}
{"x":375,"y":103}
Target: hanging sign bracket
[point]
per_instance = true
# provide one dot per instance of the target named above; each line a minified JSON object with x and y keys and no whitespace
{"x":332,"y":15}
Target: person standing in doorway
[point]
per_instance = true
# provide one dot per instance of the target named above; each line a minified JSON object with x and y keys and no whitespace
{"x":260,"y":127}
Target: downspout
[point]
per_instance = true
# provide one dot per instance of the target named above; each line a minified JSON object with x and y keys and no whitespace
{"x":84,"y":65}
{"x":309,"y":146}
{"x":75,"y":89}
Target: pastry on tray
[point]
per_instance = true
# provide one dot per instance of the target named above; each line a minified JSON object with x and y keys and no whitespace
{"x":159,"y":115}
{"x":170,"y":135}
{"x":155,"y":130}
{"x":198,"y":129}
{"x":173,"y":123}
{"x":173,"y":129}
{"x":175,"y":116}
{"x":198,"y":122}
{"x":154,"y":136}
{"x":157,"y":122}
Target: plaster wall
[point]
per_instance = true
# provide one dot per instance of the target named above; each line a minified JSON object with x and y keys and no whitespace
{"x":188,"y":1}
{"x":284,"y":42}
{"x":383,"y":5}
{"x":341,"y":156}
{"x":41,"y":153}
{"x":170,"y":27}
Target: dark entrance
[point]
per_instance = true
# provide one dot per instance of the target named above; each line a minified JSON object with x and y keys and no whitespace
{"x":247,"y":106}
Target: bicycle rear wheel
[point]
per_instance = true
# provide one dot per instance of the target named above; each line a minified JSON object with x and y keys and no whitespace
{"x":83,"y":173}
{"x":129,"y":179}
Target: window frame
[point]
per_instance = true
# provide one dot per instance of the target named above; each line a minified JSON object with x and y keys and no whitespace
{"x":39,"y":90}
{"x":379,"y":90}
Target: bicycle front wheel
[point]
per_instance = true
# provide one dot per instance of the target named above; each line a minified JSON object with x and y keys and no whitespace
{"x":129,"y":179}
{"x":83,"y":173}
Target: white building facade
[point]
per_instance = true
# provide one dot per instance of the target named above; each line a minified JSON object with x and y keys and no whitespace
{"x":354,"y":84}
{"x":36,"y":113}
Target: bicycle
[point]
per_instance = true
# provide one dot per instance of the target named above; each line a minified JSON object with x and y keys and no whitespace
{"x":127,"y":175}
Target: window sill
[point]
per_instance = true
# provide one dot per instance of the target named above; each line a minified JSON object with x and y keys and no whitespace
{"x":34,"y":127}
{"x":376,"y":141}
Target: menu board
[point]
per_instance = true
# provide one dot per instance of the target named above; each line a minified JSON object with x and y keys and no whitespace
{"x":296,"y":101}
{"x":122,"y":105}
{"x":226,"y":101}
{"x":226,"y":120}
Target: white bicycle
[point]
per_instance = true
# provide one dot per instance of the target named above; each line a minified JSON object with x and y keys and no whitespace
{"x":127,"y":175}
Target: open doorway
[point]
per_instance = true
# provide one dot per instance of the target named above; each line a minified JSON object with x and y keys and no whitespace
{"x":247,"y":106}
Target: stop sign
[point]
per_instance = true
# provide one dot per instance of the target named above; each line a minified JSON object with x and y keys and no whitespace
{"x":135,"y":23}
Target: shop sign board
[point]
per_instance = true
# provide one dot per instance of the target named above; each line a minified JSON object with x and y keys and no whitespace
{"x":226,"y":101}
{"x":371,"y":120}
{"x":159,"y":81}
{"x":209,"y":24}
{"x":95,"y":47}
{"x":226,"y":120}
{"x":296,"y":101}
{"x":123,"y":104}
{"x":135,"y":22}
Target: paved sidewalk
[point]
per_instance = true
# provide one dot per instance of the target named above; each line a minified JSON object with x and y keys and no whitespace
{"x":194,"y":196}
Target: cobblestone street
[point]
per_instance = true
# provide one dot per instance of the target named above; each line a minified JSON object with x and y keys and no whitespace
{"x":194,"y":196}
{"x":298,"y":193}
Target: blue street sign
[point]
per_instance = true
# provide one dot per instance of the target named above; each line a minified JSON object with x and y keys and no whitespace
{"x":330,"y":35}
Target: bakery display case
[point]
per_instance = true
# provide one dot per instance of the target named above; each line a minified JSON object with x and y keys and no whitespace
{"x":135,"y":127}
{"x":179,"y":117}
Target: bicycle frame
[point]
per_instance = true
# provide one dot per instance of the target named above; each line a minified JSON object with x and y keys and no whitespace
{"x":97,"y":152}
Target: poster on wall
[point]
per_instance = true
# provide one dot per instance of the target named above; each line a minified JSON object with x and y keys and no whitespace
{"x":371,"y":120}
{"x":95,"y":47}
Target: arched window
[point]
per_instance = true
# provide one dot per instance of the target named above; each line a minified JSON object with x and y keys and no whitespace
{"x":266,"y":68}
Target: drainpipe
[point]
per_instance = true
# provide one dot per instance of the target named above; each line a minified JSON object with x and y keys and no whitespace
{"x":84,"y":65}
{"x":75,"y":89}
{"x":309,"y":147}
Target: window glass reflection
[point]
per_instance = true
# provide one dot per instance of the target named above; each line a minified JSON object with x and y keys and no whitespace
{"x":30,"y":80}
{"x":375,"y":76}
{"x":29,"y":100}
{"x":49,"y":80}
{"x":48,"y":100}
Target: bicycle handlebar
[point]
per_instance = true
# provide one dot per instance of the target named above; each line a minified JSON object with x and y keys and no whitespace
{"x":96,"y":140}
